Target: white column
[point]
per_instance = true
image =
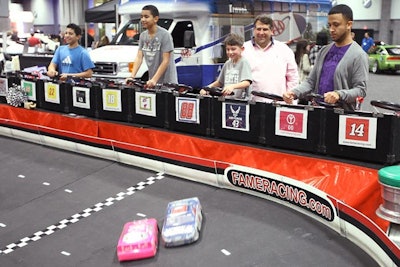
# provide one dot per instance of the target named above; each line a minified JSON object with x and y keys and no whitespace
{"x":4,"y":13}
{"x":72,"y":11}
{"x":385,"y":22}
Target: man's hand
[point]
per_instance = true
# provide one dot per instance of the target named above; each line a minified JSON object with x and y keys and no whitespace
{"x":288,"y":97}
{"x":331,"y":97}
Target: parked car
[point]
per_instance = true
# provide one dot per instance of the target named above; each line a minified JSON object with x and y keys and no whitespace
{"x":11,"y":47}
{"x":182,"y":223}
{"x":384,"y":58}
{"x":17,"y":48}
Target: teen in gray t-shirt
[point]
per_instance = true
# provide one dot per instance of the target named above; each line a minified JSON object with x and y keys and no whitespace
{"x":153,"y":49}
{"x":157,"y":48}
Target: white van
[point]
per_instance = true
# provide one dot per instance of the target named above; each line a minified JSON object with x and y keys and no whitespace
{"x":198,"y":28}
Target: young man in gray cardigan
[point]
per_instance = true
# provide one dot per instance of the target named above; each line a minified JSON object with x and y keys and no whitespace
{"x":340,"y":73}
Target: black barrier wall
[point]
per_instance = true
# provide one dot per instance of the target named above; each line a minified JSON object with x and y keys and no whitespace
{"x":362,"y":136}
{"x":238,"y":120}
{"x":54,"y":96}
{"x":190,"y":113}
{"x":150,"y":107}
{"x":81,"y":98}
{"x":113,"y":102}
{"x":295,"y":127}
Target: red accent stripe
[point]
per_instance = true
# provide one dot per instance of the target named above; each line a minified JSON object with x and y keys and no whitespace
{"x":358,"y":216}
{"x":172,"y":156}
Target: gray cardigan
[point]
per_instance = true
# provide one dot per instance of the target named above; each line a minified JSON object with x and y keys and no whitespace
{"x":350,"y":80}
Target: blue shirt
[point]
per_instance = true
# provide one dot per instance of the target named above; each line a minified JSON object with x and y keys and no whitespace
{"x":72,"y":60}
{"x":367,"y":43}
{"x":334,"y":55}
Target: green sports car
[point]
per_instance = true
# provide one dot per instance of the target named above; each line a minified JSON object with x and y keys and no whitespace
{"x":384,"y":58}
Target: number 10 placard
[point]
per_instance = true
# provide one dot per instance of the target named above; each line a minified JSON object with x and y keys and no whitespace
{"x":357,"y":131}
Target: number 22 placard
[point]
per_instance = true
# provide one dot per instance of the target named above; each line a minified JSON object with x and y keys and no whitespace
{"x":357,"y":131}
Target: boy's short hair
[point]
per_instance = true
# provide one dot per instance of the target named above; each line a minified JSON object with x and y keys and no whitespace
{"x":153,"y":10}
{"x":234,"y":39}
{"x":345,"y":10}
{"x":264,"y":19}
{"x":75,"y":28}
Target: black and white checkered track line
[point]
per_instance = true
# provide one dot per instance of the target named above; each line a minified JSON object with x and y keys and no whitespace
{"x":83,"y":214}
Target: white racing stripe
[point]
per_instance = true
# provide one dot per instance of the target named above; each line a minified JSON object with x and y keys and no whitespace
{"x":225,"y":252}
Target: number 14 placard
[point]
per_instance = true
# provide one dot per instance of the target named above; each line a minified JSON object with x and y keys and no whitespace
{"x":357,"y":131}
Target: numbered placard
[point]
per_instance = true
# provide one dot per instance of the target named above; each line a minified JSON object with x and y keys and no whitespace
{"x":235,"y":116}
{"x":112,"y":100}
{"x":81,"y":97}
{"x":291,"y":122}
{"x":52,"y":92}
{"x":3,"y":86}
{"x":30,"y":89}
{"x":187,"y":110}
{"x":145,"y":104}
{"x":357,"y":131}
